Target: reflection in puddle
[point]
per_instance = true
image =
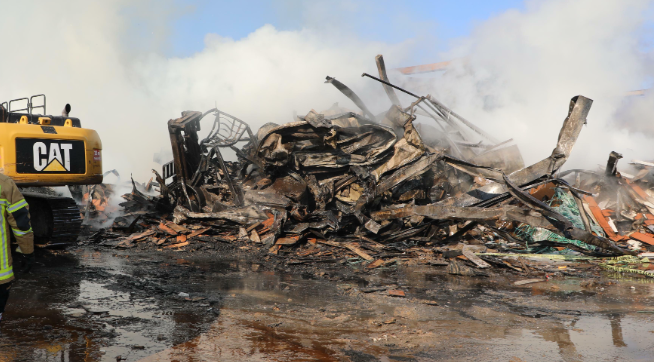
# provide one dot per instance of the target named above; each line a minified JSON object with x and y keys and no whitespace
{"x":73,"y":318}
{"x":594,"y":338}
{"x":234,"y":339}
{"x":269,"y":315}
{"x":554,"y":321}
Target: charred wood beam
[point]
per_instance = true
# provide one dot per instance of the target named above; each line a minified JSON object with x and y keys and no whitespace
{"x":163,"y":189}
{"x":572,"y":125}
{"x":381,"y":67}
{"x":350,"y":94}
{"x":612,"y":164}
{"x":184,"y":152}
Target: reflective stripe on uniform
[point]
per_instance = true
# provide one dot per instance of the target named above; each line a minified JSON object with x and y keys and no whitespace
{"x":17,"y":206}
{"x":6,"y":273}
{"x":5,"y":270}
{"x":4,"y":242}
{"x":21,"y":233}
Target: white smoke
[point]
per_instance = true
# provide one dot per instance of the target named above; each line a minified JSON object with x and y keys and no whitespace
{"x":517,"y":72}
{"x":107,"y":60}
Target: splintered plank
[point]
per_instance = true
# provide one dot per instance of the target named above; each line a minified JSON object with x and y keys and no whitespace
{"x":274,"y":249}
{"x":267,"y":224}
{"x":597,"y":213}
{"x":142,"y":235}
{"x":639,"y":191}
{"x":253,"y":226}
{"x":288,"y":241}
{"x":166,"y":229}
{"x":127,"y":243}
{"x":467,"y":252}
{"x":178,"y":228}
{"x":375,"y":264}
{"x":357,"y":250}
{"x":647,"y":239}
{"x":254,"y":236}
{"x":350,"y":246}
{"x":330,"y":243}
{"x":307,"y":252}
{"x":177,"y":245}
{"x":199,"y":232}
{"x":528,"y":281}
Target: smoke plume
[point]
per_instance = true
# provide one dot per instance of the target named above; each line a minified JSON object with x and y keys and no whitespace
{"x":517,"y":71}
{"x":513,"y":76}
{"x":107,"y":60}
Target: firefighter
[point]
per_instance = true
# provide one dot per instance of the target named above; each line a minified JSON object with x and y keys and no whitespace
{"x":14,"y":214}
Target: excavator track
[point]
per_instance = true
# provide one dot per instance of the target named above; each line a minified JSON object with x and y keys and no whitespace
{"x":54,"y":219}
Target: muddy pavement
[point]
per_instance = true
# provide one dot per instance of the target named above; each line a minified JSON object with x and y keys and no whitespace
{"x":101,"y":305}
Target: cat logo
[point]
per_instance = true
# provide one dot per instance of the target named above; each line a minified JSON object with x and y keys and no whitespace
{"x":57,"y":158}
{"x":43,"y":156}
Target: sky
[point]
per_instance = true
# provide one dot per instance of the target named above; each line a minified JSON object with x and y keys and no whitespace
{"x":128,"y":66}
{"x":381,"y":20}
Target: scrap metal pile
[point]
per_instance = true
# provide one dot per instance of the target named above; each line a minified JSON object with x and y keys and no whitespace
{"x":340,"y":184}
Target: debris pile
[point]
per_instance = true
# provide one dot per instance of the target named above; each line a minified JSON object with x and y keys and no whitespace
{"x":621,"y":204}
{"x":376,"y":188}
{"x":94,"y":202}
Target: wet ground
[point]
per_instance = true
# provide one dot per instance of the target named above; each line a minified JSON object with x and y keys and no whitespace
{"x":103,"y":305}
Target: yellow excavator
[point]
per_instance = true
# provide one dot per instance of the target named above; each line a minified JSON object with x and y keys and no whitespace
{"x":38,"y":150}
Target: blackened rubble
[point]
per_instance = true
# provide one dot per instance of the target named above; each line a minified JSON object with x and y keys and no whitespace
{"x":339,"y":184}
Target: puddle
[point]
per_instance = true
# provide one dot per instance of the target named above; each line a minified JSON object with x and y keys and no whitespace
{"x":233,"y":340}
{"x":124,"y":318}
{"x":66,"y":316}
{"x":102,"y":305}
{"x":595,"y":338}
{"x":558,"y":320}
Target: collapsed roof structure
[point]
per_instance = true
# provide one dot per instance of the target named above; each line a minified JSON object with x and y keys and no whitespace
{"x":371,"y":185}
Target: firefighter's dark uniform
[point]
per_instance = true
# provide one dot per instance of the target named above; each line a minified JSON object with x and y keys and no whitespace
{"x":14,"y":217}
